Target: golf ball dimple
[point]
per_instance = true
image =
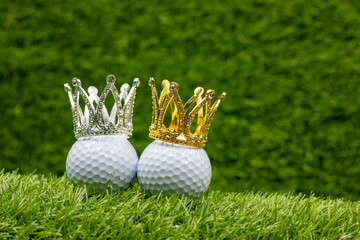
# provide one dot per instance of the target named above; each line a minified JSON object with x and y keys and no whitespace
{"x":102,"y":162}
{"x":173,"y":168}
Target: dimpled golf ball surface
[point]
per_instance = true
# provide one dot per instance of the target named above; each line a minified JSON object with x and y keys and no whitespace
{"x":102,"y":161}
{"x":173,"y":168}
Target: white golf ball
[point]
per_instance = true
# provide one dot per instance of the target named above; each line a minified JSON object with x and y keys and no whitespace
{"x":174,"y":168}
{"x":102,"y":162}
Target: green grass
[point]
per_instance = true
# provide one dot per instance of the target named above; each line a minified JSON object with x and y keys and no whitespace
{"x":34,"y":206}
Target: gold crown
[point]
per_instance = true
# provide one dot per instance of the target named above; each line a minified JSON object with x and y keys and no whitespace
{"x":181,"y":117}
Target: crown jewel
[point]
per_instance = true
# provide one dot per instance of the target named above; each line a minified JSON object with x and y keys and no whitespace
{"x":97,"y":121}
{"x":182,"y":116}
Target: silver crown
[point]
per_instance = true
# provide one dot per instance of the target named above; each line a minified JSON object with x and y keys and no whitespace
{"x":97,"y":121}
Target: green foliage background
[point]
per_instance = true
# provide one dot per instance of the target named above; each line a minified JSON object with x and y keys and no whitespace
{"x":291,"y":70}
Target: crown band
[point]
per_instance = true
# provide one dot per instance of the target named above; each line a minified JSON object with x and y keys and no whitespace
{"x":97,"y":121}
{"x":179,"y":130}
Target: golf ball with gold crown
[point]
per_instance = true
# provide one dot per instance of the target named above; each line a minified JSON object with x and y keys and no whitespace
{"x":176,"y":163}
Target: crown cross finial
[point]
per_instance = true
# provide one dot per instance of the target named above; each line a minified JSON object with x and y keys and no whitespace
{"x":97,"y":120}
{"x":179,"y":130}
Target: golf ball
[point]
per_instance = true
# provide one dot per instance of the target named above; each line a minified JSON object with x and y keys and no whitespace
{"x":102,"y":162}
{"x":174,"y":168}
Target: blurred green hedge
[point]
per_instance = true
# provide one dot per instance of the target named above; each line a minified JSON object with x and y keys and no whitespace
{"x":291,"y":70}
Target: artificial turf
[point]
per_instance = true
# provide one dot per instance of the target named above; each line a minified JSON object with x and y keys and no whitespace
{"x":35,"y":206}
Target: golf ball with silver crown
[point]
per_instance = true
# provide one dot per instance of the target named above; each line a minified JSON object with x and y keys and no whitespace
{"x":174,"y":168}
{"x":102,"y":161}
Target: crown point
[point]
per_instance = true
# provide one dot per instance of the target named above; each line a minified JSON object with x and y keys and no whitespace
{"x":173,"y":87}
{"x":151,"y":81}
{"x":125,"y":87}
{"x":198,"y":91}
{"x":110,"y":78}
{"x":93,"y":90}
{"x":136,"y":82}
{"x":223,"y":96}
{"x":210,"y":94}
{"x":67,"y":87}
{"x":76,"y":82}
{"x":165,"y":84}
